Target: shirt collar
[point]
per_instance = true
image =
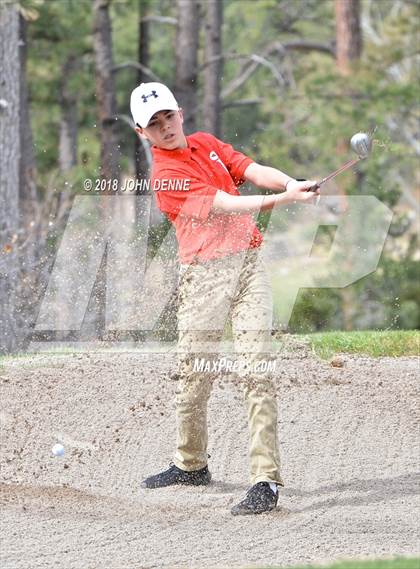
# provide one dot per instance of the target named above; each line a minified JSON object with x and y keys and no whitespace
{"x":183,"y":154}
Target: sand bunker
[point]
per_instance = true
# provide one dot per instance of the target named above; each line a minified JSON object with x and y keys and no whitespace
{"x":349,"y":446}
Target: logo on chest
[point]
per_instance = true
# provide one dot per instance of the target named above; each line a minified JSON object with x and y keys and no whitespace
{"x":213,"y":156}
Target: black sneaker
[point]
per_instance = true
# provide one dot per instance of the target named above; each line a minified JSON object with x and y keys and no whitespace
{"x":259,"y":498}
{"x":175,"y":476}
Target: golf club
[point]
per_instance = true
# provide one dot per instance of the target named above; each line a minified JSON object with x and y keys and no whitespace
{"x":361,"y":144}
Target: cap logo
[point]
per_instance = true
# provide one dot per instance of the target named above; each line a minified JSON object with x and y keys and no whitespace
{"x":152,"y":94}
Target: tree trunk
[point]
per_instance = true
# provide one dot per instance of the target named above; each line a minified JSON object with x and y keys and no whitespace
{"x":348,"y":34}
{"x":213,"y":71}
{"x":140,"y":156}
{"x":105,"y":90}
{"x":9,"y":173}
{"x":30,"y":241}
{"x":348,"y":52}
{"x":27,"y":171}
{"x":95,"y":321}
{"x":68,"y":121}
{"x":186,"y":60}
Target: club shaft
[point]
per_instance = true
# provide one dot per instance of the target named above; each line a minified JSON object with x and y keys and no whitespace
{"x":344,"y":167}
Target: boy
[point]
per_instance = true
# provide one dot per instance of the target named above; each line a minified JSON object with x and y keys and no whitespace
{"x":221,"y":277}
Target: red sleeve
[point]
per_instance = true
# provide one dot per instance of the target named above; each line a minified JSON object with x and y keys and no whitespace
{"x":194,"y":202}
{"x":235,"y":161}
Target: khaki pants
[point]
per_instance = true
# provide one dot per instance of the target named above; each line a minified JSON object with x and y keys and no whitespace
{"x":236,"y":289}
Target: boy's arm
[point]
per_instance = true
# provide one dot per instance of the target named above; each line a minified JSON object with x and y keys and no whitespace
{"x":266,"y":177}
{"x":296,"y":192}
{"x":272,"y":179}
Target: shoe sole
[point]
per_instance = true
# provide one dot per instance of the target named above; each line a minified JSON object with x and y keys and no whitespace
{"x":145,"y":487}
{"x":186,"y":483}
{"x":246,"y":512}
{"x":249,"y":513}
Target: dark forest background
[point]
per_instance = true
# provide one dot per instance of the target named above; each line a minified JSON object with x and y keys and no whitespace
{"x":285,"y":81}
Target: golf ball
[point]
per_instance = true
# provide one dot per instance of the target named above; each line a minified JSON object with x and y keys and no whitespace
{"x":57,"y":450}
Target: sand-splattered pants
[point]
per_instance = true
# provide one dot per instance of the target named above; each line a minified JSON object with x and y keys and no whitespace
{"x":236,"y":289}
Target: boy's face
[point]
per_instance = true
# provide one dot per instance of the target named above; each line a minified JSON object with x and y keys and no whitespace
{"x":165,"y":130}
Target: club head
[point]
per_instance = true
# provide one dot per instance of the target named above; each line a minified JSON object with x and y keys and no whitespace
{"x":361,"y":143}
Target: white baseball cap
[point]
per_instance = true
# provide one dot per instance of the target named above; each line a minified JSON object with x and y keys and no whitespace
{"x":149,"y":98}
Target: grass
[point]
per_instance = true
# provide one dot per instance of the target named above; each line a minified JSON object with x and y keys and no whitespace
{"x":21,"y":355}
{"x":371,"y":343}
{"x":398,"y":563}
{"x":393,"y":343}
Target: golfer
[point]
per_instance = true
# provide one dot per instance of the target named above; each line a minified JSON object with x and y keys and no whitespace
{"x":222,"y":279}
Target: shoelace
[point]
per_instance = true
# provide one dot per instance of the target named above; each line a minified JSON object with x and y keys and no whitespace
{"x":254,"y":488}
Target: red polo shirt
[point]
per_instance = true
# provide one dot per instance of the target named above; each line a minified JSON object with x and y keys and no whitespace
{"x":205,"y":166}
